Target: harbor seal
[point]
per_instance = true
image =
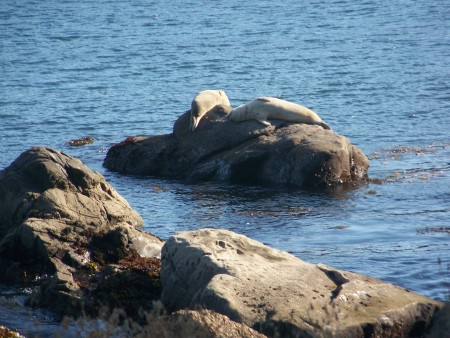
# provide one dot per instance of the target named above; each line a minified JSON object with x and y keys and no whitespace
{"x":203,"y":102}
{"x":263,"y":108}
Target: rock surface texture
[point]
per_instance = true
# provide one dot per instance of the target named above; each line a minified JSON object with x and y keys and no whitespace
{"x":283,"y":154}
{"x":204,"y":323}
{"x":60,"y":223}
{"x":282,"y":296}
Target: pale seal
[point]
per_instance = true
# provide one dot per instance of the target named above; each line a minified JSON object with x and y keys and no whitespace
{"x":203,"y":102}
{"x":263,"y":108}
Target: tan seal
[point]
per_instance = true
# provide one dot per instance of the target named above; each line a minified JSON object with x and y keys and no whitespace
{"x":203,"y":102}
{"x":264,"y":108}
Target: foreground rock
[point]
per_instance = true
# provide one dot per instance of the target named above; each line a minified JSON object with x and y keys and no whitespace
{"x":441,"y":323}
{"x":202,"y":323}
{"x":180,"y":324}
{"x":281,"y":295}
{"x":7,"y":333}
{"x":286,"y":154}
{"x":64,"y":226}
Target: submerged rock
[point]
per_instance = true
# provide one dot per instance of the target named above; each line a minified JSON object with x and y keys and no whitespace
{"x":282,"y":296}
{"x":283,"y":154}
{"x":80,"y":141}
{"x":65,"y":227}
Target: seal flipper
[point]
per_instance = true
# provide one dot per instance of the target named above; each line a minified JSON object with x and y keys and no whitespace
{"x":194,"y":118}
{"x":194,"y":123}
{"x":264,"y":122}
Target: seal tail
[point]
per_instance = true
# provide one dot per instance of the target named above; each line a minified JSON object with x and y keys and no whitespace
{"x":324,"y":125}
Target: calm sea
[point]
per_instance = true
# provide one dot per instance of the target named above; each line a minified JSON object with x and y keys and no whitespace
{"x":376,"y":71}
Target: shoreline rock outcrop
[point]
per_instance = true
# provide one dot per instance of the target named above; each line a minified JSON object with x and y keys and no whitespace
{"x":282,"y":154}
{"x":65,"y":230}
{"x":62,"y":226}
{"x":282,"y":296}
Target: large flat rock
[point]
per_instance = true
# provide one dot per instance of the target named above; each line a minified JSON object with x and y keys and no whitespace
{"x":281,"y":295}
{"x":282,"y":154}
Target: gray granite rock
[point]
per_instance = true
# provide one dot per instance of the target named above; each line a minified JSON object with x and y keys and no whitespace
{"x":205,"y":323}
{"x":281,"y":295}
{"x":60,"y":222}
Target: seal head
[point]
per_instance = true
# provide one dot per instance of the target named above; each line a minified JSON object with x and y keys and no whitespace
{"x":203,"y":102}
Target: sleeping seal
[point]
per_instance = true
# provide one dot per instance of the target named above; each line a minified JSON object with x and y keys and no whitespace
{"x":263,"y":108}
{"x":203,"y":102}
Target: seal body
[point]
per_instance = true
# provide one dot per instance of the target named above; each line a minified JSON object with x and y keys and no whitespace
{"x":264,"y":108}
{"x":203,"y":102}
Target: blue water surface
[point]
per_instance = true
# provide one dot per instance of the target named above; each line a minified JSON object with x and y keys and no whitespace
{"x":376,"y":71}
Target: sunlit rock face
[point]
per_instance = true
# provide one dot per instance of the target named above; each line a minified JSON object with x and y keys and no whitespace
{"x":281,"y":295}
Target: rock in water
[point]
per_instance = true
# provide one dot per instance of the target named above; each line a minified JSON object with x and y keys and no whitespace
{"x":283,"y":154}
{"x":282,"y":296}
{"x":59,"y":221}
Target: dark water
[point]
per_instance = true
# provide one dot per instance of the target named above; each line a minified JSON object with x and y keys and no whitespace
{"x":376,"y":71}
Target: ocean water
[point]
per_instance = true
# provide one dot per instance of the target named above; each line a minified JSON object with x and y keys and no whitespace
{"x":376,"y":71}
